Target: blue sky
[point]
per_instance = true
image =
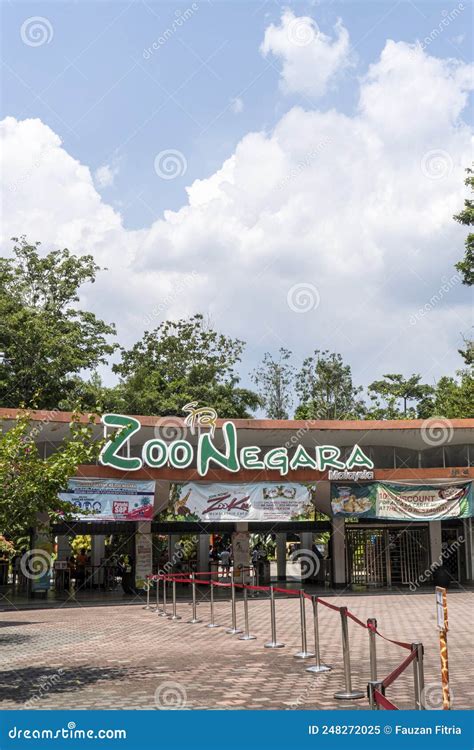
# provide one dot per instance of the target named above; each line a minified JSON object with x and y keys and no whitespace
{"x":335,"y":162}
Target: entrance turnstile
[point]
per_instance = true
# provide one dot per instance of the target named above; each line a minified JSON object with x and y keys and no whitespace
{"x":386,"y":556}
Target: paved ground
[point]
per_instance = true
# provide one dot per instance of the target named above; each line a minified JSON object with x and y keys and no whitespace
{"x":123,"y":657}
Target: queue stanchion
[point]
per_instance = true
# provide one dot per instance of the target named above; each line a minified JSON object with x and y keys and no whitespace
{"x":348,"y":693}
{"x":147,"y":605}
{"x":371,"y":688}
{"x":418,"y":675}
{"x":212,"y":624}
{"x":304,"y":653}
{"x":318,"y":667}
{"x":273,"y":643}
{"x":194,"y":618}
{"x":174,"y":616}
{"x":233,"y":630}
{"x":164,"y":611}
{"x":246,"y":635}
{"x":157,"y":608}
{"x":372,"y":628}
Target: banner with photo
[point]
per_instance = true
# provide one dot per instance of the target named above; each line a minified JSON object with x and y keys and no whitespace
{"x":111,"y":499}
{"x":243,"y":502}
{"x":386,"y":500}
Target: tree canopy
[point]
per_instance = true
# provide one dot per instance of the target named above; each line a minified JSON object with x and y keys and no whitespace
{"x":325,"y":389}
{"x":274,"y":379}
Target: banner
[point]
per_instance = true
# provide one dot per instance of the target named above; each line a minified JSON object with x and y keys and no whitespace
{"x":244,"y":502}
{"x":111,"y":499}
{"x":143,"y":554}
{"x":386,"y":500}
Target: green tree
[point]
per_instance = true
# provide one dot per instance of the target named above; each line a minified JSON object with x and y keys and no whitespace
{"x":274,"y":380}
{"x":179,"y":362}
{"x":45,"y":340}
{"x":396,"y":392}
{"x":452,"y":398}
{"x":325,"y":389}
{"x":466,"y":217}
{"x":29,"y":484}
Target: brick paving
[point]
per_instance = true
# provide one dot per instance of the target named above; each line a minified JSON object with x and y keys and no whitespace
{"x":124,"y":657}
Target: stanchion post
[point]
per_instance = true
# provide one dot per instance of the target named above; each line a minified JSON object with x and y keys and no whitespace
{"x":348,"y":693}
{"x":147,"y":605}
{"x":372,"y":627}
{"x":174,"y":616}
{"x":371,"y":688}
{"x":273,"y":643}
{"x":318,"y":667}
{"x":157,"y":608}
{"x":304,"y":653}
{"x":418,"y":676}
{"x":212,"y":624}
{"x":233,"y":630}
{"x":164,"y":612}
{"x":194,"y":618}
{"x":246,"y":635}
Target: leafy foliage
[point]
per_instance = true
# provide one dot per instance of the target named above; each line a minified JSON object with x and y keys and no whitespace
{"x":391,"y":396}
{"x":45,"y":339}
{"x":326,"y":390}
{"x":274,"y":380}
{"x":466,"y":216}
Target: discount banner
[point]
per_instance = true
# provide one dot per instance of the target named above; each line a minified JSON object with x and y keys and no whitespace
{"x":405,"y":502}
{"x":111,"y":499}
{"x":243,"y":502}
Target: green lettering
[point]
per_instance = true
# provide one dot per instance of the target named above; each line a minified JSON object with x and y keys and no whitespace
{"x":155,"y":453}
{"x":327,"y":457}
{"x":358,"y":459}
{"x":277,"y":458}
{"x":302,"y":459}
{"x":127,"y":426}
{"x":249,"y":457}
{"x":185,"y":459}
{"x":207,"y":451}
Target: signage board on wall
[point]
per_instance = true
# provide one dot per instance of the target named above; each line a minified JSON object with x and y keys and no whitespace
{"x":390,"y":501}
{"x":244,"y":502}
{"x":111,"y":499}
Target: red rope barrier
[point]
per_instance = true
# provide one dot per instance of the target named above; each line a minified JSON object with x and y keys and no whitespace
{"x":356,"y":619}
{"x":330,"y":606}
{"x":294,"y":592}
{"x":401,"y":668}
{"x":381,"y":700}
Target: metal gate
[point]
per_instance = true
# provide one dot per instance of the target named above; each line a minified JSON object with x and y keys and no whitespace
{"x":382,"y":556}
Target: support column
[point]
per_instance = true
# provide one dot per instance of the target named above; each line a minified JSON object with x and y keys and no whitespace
{"x":435,"y":543}
{"x":64,"y":547}
{"x":173,"y":557}
{"x":241,"y":550}
{"x":203,"y":552}
{"x":97,"y":557}
{"x":338,"y":552}
{"x":306,"y":539}
{"x":281,"y":556}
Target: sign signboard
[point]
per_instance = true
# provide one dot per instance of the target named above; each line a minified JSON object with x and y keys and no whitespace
{"x":387,"y":500}
{"x":111,"y":499}
{"x":244,"y":502}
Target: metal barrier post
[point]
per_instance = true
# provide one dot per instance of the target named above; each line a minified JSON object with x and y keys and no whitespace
{"x":212,"y":624}
{"x":418,"y":675}
{"x":372,"y":626}
{"x":246,"y":636}
{"x":348,"y":693}
{"x":371,"y":687}
{"x":304,"y":653}
{"x":147,"y":605}
{"x":233,"y":630}
{"x":421,"y":674}
{"x":164,"y":612}
{"x":273,"y":643}
{"x":318,"y":667}
{"x":174,"y":616}
{"x":157,"y":608}
{"x":194,"y":618}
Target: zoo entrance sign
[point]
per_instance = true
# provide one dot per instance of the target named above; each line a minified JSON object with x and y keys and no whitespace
{"x":180,"y":454}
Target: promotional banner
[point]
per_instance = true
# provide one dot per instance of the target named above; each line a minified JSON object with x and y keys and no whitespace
{"x":244,"y":502}
{"x":143,"y":554}
{"x":111,"y":499}
{"x":422,"y":502}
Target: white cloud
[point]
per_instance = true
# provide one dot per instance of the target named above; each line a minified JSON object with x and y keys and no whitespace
{"x":237,"y":105}
{"x":105,"y":175}
{"x":310,"y":59}
{"x":360,"y":207}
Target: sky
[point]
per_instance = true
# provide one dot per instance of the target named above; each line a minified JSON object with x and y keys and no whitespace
{"x":291,"y":171}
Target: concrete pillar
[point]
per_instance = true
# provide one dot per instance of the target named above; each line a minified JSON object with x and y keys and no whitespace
{"x":435,"y":542}
{"x":338,"y":552}
{"x":97,"y":556}
{"x":469,"y":547}
{"x":306,"y":539}
{"x":281,"y":556}
{"x":204,"y":541}
{"x":64,"y":547}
